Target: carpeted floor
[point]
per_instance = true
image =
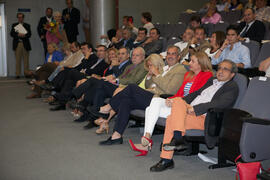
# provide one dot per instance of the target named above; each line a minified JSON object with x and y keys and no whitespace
{"x":36,"y":144}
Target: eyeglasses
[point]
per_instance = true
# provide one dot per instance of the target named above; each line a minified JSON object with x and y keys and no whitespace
{"x":224,"y":69}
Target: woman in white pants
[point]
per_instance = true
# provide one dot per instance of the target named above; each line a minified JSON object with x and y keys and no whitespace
{"x":200,"y":72}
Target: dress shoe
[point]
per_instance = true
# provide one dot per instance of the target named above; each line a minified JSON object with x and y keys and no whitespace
{"x":162,"y":165}
{"x":95,"y":111}
{"x":90,"y":125}
{"x":34,"y":95}
{"x":58,"y":108}
{"x":17,"y":77}
{"x":85,"y":117}
{"x":175,"y":145}
{"x":54,"y":103}
{"x":111,"y":141}
{"x":75,"y":105}
{"x":47,"y":87}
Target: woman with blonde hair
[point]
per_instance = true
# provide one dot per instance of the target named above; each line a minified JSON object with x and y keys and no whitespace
{"x":200,"y":71}
{"x":55,"y":31}
{"x":152,"y":61}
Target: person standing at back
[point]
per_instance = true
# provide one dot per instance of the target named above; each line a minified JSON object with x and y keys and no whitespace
{"x":21,"y":32}
{"x":71,"y":19}
{"x":41,"y":27}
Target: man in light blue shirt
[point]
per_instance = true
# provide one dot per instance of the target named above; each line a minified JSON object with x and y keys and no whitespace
{"x":233,"y":50}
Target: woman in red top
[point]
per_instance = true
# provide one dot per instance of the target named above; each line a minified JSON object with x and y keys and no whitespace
{"x":200,"y":71}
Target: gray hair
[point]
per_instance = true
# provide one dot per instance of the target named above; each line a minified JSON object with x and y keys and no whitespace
{"x":141,"y":49}
{"x":173,"y":46}
{"x":234,"y":66}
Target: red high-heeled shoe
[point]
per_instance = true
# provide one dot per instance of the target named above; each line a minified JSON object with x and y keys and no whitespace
{"x":143,"y":152}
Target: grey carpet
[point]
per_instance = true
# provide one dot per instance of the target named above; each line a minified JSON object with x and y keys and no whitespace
{"x":36,"y":144}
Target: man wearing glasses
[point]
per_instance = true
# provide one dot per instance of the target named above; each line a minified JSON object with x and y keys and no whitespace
{"x":190,"y":111}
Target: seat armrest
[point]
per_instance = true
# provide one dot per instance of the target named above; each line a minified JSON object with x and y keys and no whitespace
{"x":257,"y":121}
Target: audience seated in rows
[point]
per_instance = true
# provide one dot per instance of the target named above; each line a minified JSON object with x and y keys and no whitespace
{"x":85,"y":88}
{"x":197,"y":43}
{"x":190,"y":112}
{"x":158,"y":81}
{"x":91,"y":64}
{"x":199,"y":73}
{"x":186,"y":38}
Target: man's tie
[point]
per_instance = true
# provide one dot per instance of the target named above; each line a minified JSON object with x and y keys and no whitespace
{"x":245,"y":31}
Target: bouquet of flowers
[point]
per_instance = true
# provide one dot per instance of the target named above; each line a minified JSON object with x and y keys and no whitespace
{"x":51,"y":26}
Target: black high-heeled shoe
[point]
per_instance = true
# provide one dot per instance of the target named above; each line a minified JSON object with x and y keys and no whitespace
{"x":111,"y":141}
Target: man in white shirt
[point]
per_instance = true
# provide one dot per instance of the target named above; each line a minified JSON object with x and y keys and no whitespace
{"x":189,"y":112}
{"x":187,"y":36}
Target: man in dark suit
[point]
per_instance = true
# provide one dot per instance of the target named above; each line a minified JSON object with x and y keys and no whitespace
{"x":251,"y":28}
{"x":189,"y":112}
{"x":71,"y":19}
{"x":91,"y":65}
{"x":127,"y":41}
{"x":41,"y":30}
{"x":21,"y":32}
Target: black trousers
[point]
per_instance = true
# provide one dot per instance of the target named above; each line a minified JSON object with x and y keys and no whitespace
{"x":88,"y":88}
{"x":59,"y":80}
{"x":85,"y":87}
{"x":103,"y":90}
{"x":132,"y":97}
{"x":44,"y":43}
{"x":66,"y":91}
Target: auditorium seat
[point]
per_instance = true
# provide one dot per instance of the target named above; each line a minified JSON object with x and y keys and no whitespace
{"x":263,"y":54}
{"x":254,"y":49}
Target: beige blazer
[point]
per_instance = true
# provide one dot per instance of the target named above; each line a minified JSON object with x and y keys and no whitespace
{"x":74,"y":60}
{"x":169,"y":83}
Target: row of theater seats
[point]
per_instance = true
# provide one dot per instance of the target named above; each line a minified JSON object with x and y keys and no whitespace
{"x":230,"y":17}
{"x":170,"y":31}
{"x":240,"y":130}
{"x":258,"y":52}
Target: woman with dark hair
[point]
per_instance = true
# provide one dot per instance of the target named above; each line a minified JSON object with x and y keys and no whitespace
{"x":216,"y":41}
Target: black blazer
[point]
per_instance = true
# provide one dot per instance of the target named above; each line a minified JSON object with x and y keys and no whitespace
{"x":225,"y":97}
{"x":25,"y":40}
{"x":71,"y":25}
{"x":255,"y":32}
{"x":87,"y":63}
{"x":40,"y":28}
{"x":99,"y":69}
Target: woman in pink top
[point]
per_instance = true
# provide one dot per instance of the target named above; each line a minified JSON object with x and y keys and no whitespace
{"x":211,"y":16}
